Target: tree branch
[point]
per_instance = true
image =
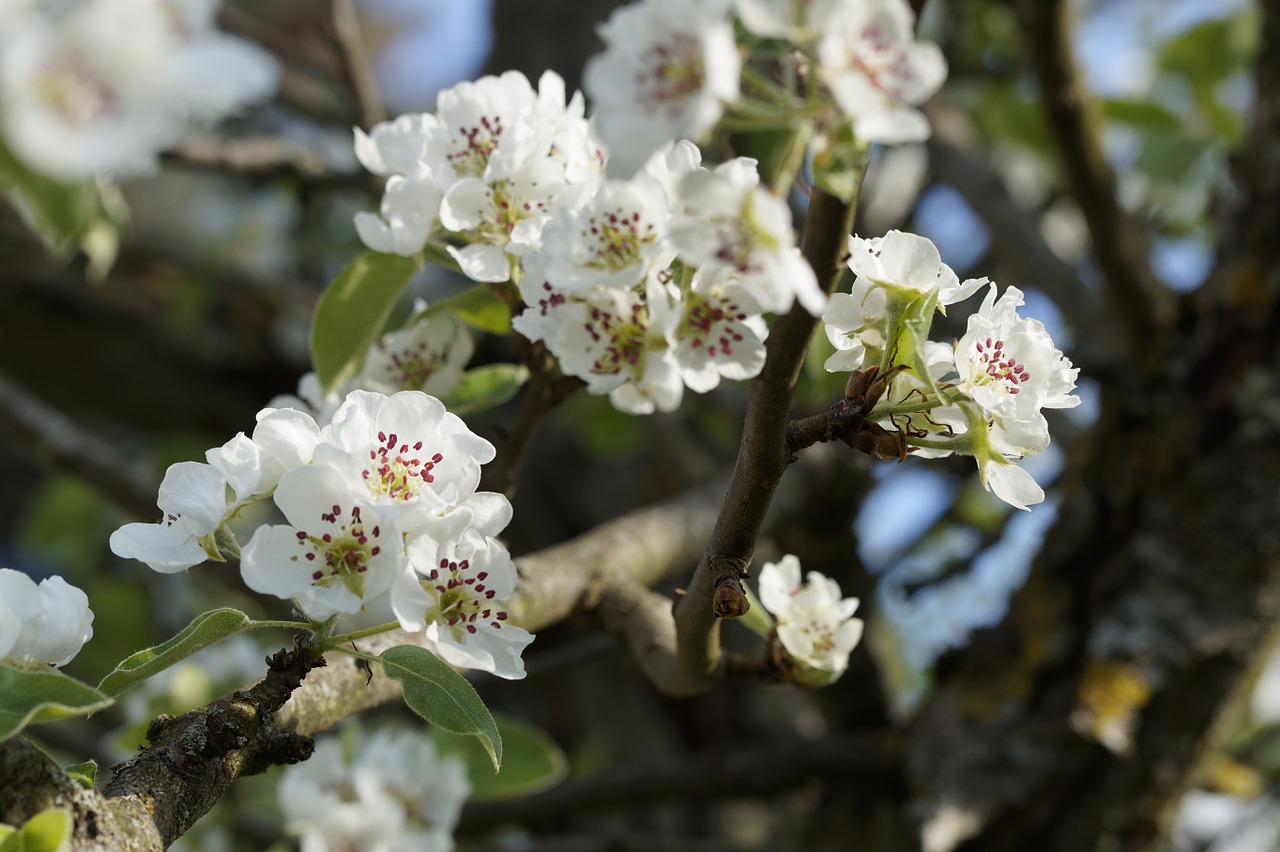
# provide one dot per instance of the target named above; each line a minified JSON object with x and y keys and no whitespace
{"x":715,"y":590}
{"x":359,"y":67}
{"x":1118,"y":243}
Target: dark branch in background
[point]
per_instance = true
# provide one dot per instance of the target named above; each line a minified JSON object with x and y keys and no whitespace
{"x":356,"y":61}
{"x":1018,"y":243}
{"x":262,"y":157}
{"x":46,"y":435}
{"x":873,"y":760}
{"x":715,"y":590}
{"x":1118,"y":243}
{"x":544,"y":392}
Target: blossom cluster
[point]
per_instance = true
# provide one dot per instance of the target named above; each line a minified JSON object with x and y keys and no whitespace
{"x":671,"y":69}
{"x":389,"y":791}
{"x":381,"y":508}
{"x":982,"y":396}
{"x":102,"y":85}
{"x":640,"y":287}
{"x":815,"y":627}
{"x":42,"y":624}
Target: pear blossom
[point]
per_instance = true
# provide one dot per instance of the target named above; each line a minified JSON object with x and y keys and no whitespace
{"x":102,"y":85}
{"x":893,"y":271}
{"x":877,"y":71}
{"x":668,"y":70}
{"x":453,"y":593}
{"x":408,"y":214}
{"x":428,"y":354}
{"x":193,"y":503}
{"x":404,"y":452}
{"x":732,"y":224}
{"x":1009,"y":366}
{"x":388,"y":792}
{"x":42,"y":624}
{"x":815,"y":626}
{"x":797,"y":21}
{"x":337,"y":551}
{"x":395,"y":147}
{"x":716,"y":330}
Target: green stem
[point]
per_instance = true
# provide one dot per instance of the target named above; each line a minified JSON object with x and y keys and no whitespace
{"x":768,"y":89}
{"x":287,"y":625}
{"x":343,"y":638}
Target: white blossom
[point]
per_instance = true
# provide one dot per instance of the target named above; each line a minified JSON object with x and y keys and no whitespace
{"x":877,"y":71}
{"x":42,"y":624}
{"x":733,"y":225}
{"x":668,"y":70}
{"x":815,"y":625}
{"x":409,"y":212}
{"x":453,"y":593}
{"x":428,"y":354}
{"x":102,"y":85}
{"x":716,"y":330}
{"x":337,"y":551}
{"x":193,"y":503}
{"x":1009,"y":366}
{"x":797,"y":21}
{"x":389,"y":792}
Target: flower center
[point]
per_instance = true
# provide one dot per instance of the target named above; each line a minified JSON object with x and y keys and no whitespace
{"x":616,"y":239}
{"x":462,"y":601}
{"x":343,"y":553}
{"x":708,"y":325}
{"x":883,"y":61}
{"x":411,"y":367}
{"x":999,"y":367}
{"x":624,"y":340}
{"x":74,"y":93}
{"x":473,"y":145}
{"x":671,"y":74}
{"x":553,"y":299}
{"x":398,"y":470}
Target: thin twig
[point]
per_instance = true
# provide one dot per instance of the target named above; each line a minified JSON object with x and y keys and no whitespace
{"x":715,"y":590}
{"x":355,"y":54}
{"x":262,"y":157}
{"x":42,"y":433}
{"x":1118,"y":243}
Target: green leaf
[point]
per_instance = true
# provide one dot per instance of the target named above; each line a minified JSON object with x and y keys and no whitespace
{"x":86,"y":773}
{"x":58,"y":212}
{"x":352,"y":312}
{"x":442,"y":696}
{"x":205,"y":630}
{"x":531,"y":760}
{"x":43,"y":695}
{"x":486,"y":387}
{"x":838,"y":166}
{"x":478,"y":307}
{"x":48,"y":831}
{"x":1140,"y":113}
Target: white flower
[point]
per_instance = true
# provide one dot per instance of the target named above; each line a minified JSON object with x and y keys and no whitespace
{"x":734,"y":226}
{"x":815,"y":625}
{"x":615,"y":240}
{"x":395,"y":147}
{"x":428,"y":354}
{"x":877,"y":70}
{"x":668,"y":69}
{"x":453,"y":590}
{"x":405,"y":452}
{"x":102,"y":85}
{"x":893,"y":272}
{"x":716,"y":330}
{"x":389,"y":792}
{"x":409,"y":212}
{"x":607,"y":341}
{"x":797,"y":21}
{"x":1009,"y":366}
{"x":337,"y":551}
{"x":193,"y":500}
{"x":48,"y":623}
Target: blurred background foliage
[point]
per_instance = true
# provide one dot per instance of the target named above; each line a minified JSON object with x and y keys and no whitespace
{"x":204,"y":318}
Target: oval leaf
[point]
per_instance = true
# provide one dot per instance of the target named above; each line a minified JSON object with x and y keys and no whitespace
{"x":479,"y":308}
{"x":486,"y":387}
{"x":442,"y":696}
{"x":531,"y":760}
{"x":48,"y":831}
{"x":85,"y":772}
{"x":43,"y":695}
{"x":351,"y":313}
{"x":205,"y":630}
